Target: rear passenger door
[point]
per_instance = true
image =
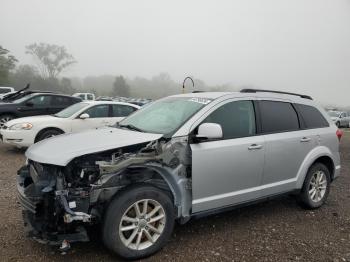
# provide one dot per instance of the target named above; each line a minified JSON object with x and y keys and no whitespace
{"x":286,"y":145}
{"x":228,"y":171}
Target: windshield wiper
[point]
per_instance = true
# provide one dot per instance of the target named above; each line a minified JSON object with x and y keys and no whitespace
{"x":131,"y":127}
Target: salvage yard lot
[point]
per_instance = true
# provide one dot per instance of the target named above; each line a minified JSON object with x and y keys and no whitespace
{"x":277,"y":230}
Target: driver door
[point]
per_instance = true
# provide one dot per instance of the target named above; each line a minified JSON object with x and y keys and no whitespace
{"x":98,"y":117}
{"x":228,"y":171}
{"x":37,"y":105}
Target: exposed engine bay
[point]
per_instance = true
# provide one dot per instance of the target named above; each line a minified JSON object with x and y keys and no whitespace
{"x":60,"y":203}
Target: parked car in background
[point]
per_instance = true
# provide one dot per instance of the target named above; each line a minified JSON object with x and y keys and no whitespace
{"x":23,"y":132}
{"x":341,"y":119}
{"x":35,"y":104}
{"x":104,"y":98}
{"x":85,"y":96}
{"x":180,"y":157}
{"x":5,"y":91}
{"x":12,"y":96}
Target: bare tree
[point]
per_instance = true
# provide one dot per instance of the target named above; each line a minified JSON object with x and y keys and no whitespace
{"x":51,"y":59}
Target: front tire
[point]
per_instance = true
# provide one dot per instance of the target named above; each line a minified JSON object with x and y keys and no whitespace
{"x":337,"y":124}
{"x":138,"y":222}
{"x":47,"y":134}
{"x":316,"y":186}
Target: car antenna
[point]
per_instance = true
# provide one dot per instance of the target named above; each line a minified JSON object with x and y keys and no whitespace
{"x":183,"y":84}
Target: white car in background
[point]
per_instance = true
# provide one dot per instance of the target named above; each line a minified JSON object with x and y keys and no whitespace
{"x":23,"y":132}
{"x":85,"y":96}
{"x":341,"y":119}
{"x":4,"y":90}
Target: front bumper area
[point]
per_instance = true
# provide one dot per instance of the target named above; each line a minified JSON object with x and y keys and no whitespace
{"x":43,"y":213}
{"x":17,"y":138}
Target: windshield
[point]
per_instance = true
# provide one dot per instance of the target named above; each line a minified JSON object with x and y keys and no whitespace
{"x":71,"y":110}
{"x":333,"y":113}
{"x":164,"y":116}
{"x":22,"y":99}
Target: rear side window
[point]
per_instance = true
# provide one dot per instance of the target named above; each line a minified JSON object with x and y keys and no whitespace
{"x":237,"y":119}
{"x":98,"y":111}
{"x":278,"y":117}
{"x":61,"y":101}
{"x":311,"y":117}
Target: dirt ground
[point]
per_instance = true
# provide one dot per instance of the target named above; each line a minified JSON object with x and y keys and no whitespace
{"x":277,"y":230}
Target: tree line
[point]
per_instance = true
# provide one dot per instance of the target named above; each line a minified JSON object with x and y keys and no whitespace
{"x":51,"y":61}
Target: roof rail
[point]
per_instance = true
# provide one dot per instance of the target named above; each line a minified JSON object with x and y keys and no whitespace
{"x":250,"y":90}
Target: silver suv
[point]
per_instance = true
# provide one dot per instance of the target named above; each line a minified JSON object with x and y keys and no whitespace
{"x":180,"y":157}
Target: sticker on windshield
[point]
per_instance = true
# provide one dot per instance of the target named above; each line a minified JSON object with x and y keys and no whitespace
{"x":201,"y":100}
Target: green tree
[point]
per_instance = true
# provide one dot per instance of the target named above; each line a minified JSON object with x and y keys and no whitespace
{"x":120,"y":87}
{"x":51,"y":59}
{"x":7,"y":63}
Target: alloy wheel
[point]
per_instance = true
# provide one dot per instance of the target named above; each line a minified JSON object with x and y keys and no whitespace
{"x":142,"y":224}
{"x":318,"y":186}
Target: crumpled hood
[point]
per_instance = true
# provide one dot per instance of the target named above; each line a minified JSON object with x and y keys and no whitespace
{"x":60,"y":150}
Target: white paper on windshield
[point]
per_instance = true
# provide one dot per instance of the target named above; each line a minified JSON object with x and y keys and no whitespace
{"x":200,"y":100}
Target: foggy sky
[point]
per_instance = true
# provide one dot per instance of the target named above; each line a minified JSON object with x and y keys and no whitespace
{"x":295,"y":45}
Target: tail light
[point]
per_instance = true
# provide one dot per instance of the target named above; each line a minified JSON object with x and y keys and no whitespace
{"x":339,"y":134}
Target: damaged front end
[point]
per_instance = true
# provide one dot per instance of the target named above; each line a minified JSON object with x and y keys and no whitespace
{"x":60,"y":203}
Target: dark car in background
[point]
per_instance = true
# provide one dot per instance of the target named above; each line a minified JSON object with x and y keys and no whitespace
{"x":35,"y":104}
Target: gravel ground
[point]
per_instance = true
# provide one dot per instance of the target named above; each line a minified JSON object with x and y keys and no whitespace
{"x":277,"y":230}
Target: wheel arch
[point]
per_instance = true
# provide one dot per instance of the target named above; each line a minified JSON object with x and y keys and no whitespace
{"x":46,"y":129}
{"x":155,"y":175}
{"x":319,"y":154}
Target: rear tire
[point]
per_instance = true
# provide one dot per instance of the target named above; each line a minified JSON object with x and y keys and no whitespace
{"x":4,"y":119}
{"x":47,"y":134}
{"x":134,"y":234}
{"x":316,"y":186}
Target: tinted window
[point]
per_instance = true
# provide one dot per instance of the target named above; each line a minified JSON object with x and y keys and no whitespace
{"x":61,"y":101}
{"x":90,"y":97}
{"x":122,"y":110}
{"x":41,"y":100}
{"x":237,"y":119}
{"x":311,"y":117}
{"x":98,"y":111}
{"x":278,"y":117}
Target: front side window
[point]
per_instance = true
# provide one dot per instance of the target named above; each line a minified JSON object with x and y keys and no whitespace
{"x":41,"y":100}
{"x":165,"y":116}
{"x":237,"y":119}
{"x":98,"y":111}
{"x":122,"y":110}
{"x":90,"y":97}
{"x":278,"y":117}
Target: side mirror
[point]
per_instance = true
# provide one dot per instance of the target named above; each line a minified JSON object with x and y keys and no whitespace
{"x":209,"y":131}
{"x":30,"y":104}
{"x":84,"y":116}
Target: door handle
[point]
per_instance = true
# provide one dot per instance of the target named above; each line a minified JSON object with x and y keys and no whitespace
{"x":254,"y":147}
{"x":305,"y":139}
